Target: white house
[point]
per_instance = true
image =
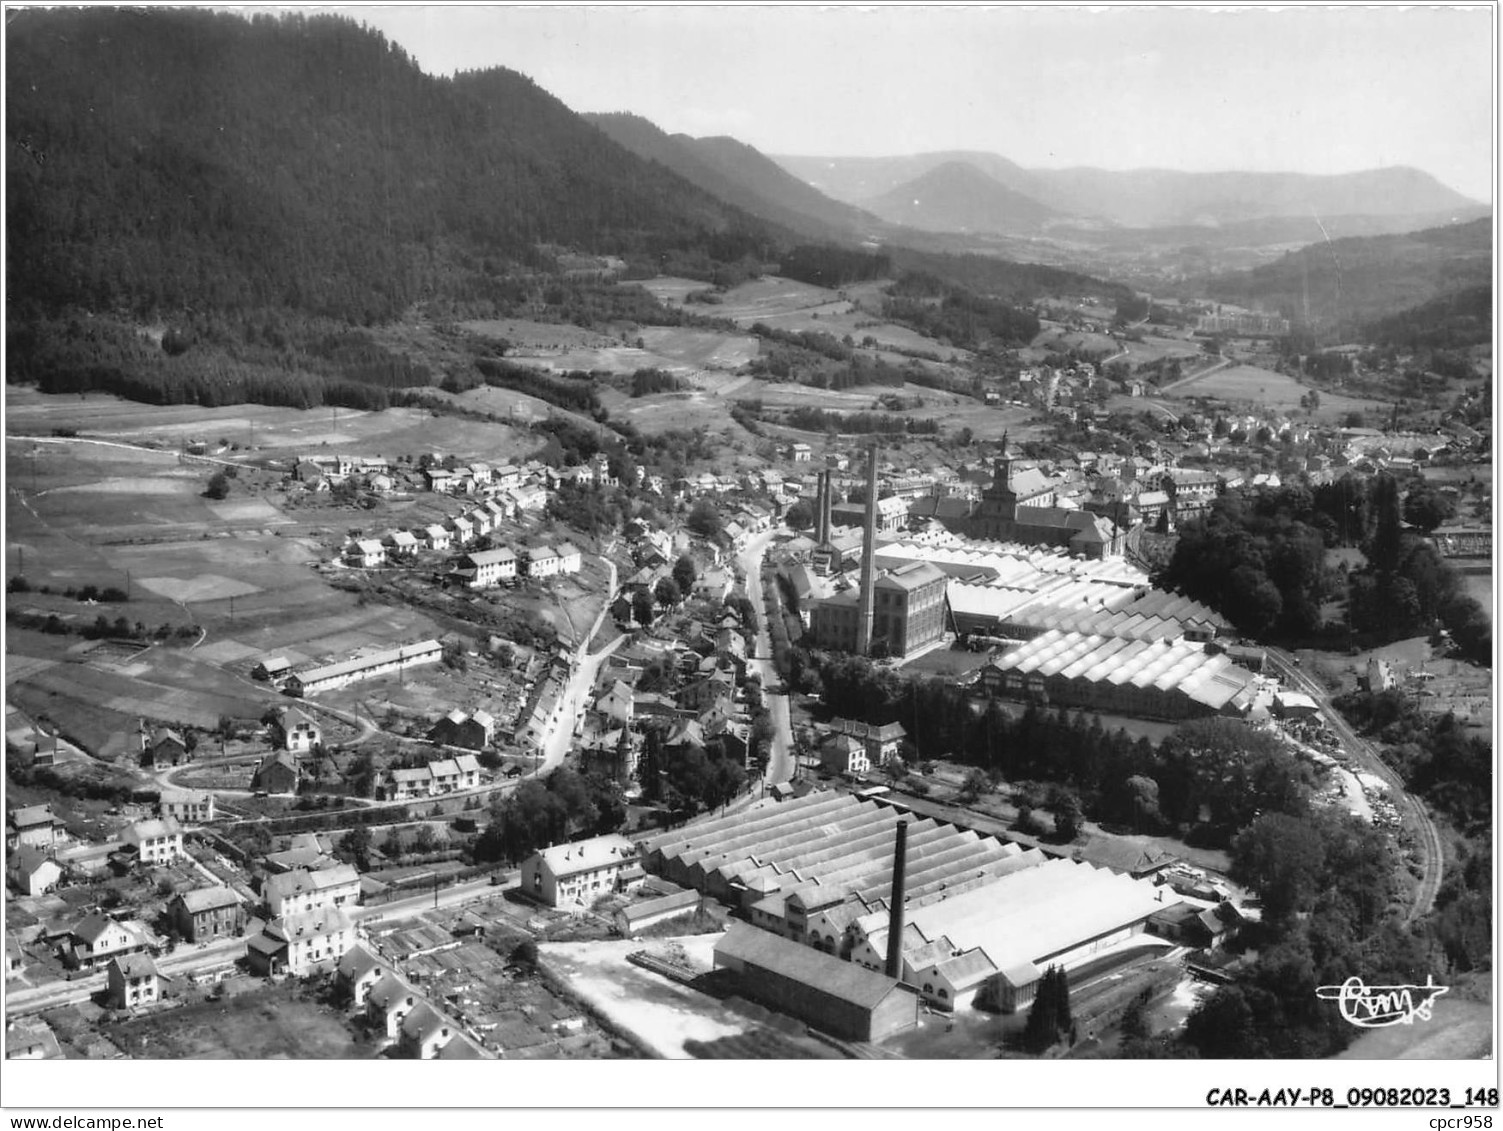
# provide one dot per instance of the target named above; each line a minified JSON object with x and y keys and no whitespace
{"x":541,"y":561}
{"x":299,"y":891}
{"x":569,"y":558}
{"x":366,"y":553}
{"x":581,"y":872}
{"x":483,"y":568}
{"x":156,"y":842}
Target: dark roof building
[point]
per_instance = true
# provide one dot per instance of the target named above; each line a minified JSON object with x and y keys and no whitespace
{"x":837,"y":997}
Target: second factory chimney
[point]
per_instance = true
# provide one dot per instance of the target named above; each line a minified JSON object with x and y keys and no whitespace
{"x":868,"y":560}
{"x":895,"y":910}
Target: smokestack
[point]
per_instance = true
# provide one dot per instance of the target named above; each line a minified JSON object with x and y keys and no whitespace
{"x":895,"y":911}
{"x":824,"y":515}
{"x":868,"y":559}
{"x":822,"y":509}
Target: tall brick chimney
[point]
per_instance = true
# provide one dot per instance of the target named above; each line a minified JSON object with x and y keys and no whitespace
{"x":895,"y":901}
{"x":868,"y":559}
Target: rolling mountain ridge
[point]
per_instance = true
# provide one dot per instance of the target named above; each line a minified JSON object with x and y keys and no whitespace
{"x":1145,"y":198}
{"x":958,"y":197}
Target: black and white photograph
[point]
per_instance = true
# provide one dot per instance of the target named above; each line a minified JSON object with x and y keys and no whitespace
{"x":875,"y":539}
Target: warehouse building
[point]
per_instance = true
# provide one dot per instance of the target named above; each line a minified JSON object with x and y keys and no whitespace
{"x":332,"y":676}
{"x":839,"y":998}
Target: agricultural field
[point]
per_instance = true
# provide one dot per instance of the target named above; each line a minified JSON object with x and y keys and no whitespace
{"x":1250,"y":384}
{"x":85,"y":514}
{"x":264,"y":431}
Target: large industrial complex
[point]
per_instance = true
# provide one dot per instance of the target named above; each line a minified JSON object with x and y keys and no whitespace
{"x":960,"y":919}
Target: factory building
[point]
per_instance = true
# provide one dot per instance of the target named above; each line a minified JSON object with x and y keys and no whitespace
{"x":1120,"y":675}
{"x":895,"y":613}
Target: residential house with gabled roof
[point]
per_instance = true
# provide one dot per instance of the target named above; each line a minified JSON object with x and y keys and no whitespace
{"x":132,"y":981}
{"x":207,"y":913}
{"x":32,"y":871}
{"x":162,"y":748}
{"x":463,"y":528}
{"x":387,"y":1004}
{"x":424,"y":1032}
{"x":301,"y":944}
{"x":31,"y":1038}
{"x":295,"y":730}
{"x":541,"y":561}
{"x":96,"y":937}
{"x":459,"y":728}
{"x":365,"y":553}
{"x":33,"y":826}
{"x":483,"y":568}
{"x":301,"y":891}
{"x":158,"y":841}
{"x":272,"y":668}
{"x":434,"y":537}
{"x":276,"y":773}
{"x":569,"y":558}
{"x":358,"y":973}
{"x":582,"y":871}
{"x":401,"y":544}
{"x":195,"y":806}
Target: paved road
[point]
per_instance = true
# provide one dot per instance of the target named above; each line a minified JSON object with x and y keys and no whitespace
{"x":581,"y":682}
{"x":780,"y":758}
{"x":1428,"y":844}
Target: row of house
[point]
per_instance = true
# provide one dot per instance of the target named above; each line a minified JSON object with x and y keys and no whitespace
{"x":444,"y":775}
{"x":393,"y":1008}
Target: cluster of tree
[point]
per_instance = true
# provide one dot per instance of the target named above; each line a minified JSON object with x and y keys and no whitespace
{"x":1259,"y":557}
{"x":1208,"y":779}
{"x":1256,"y":562}
{"x":811,"y":419}
{"x":1049,"y":1018}
{"x":1328,"y":366}
{"x":1014,"y":282}
{"x":100,"y":628}
{"x":1132,"y":308}
{"x":964,"y":319}
{"x":1454,"y":321}
{"x":538,"y":813}
{"x":1326,"y":881}
{"x":646,"y":382}
{"x":577,"y":394}
{"x":1440,"y":758}
{"x":690,"y":781}
{"x":825,"y":265}
{"x":89,"y":594}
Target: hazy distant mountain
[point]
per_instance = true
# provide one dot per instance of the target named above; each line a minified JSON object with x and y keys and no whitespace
{"x":958,"y":197}
{"x":1151,"y":197}
{"x":858,"y":179}
{"x":1357,"y":280}
{"x":740,"y":175}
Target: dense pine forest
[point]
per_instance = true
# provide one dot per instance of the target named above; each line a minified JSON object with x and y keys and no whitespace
{"x":256,"y":185}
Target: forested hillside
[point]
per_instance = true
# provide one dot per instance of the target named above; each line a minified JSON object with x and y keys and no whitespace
{"x":171,"y":160}
{"x":1353,"y":281}
{"x":737,"y":173}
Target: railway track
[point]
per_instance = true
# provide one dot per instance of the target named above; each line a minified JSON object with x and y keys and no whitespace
{"x":1416,"y":817}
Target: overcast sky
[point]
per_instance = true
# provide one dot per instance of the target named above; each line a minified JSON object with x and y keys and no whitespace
{"x":1318,"y":90}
